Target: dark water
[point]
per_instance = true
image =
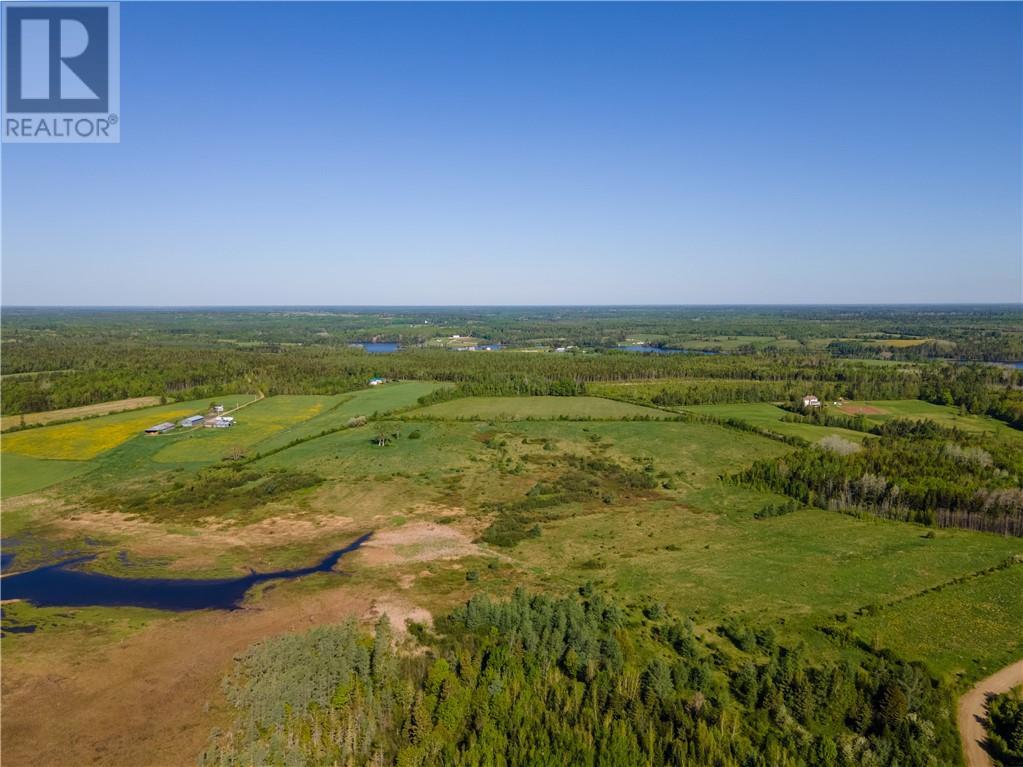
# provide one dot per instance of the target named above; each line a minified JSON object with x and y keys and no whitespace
{"x":379,"y":348}
{"x":661,"y":350}
{"x":61,"y":585}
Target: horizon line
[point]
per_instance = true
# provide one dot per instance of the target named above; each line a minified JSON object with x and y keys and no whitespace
{"x":4,"y":307}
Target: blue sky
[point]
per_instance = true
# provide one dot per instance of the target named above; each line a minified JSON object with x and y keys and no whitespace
{"x":537,"y":154}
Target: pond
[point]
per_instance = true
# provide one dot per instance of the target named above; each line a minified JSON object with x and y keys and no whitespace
{"x":62,"y":585}
{"x":662,"y":350}
{"x":386,"y":347}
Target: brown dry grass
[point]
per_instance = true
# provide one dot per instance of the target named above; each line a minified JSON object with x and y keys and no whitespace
{"x":85,"y":411}
{"x":850,"y":409}
{"x":144,"y":702}
{"x":417,"y":542}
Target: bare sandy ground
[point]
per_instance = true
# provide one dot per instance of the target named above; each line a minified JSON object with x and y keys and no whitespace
{"x":417,"y":542}
{"x":971,"y":712}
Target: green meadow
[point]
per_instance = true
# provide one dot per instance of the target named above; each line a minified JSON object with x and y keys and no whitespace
{"x":971,"y":628}
{"x":525,"y":408}
{"x":20,"y":474}
{"x":767,"y":416}
{"x":686,"y":538}
{"x":946,"y":415}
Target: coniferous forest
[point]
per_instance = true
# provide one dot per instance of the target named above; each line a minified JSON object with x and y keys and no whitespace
{"x":576,"y":680}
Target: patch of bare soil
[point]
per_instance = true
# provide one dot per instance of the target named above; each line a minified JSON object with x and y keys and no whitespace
{"x":417,"y":542}
{"x":399,"y":612}
{"x":849,"y":409}
{"x":143,"y":703}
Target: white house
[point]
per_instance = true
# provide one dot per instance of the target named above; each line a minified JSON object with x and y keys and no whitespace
{"x":811,"y":401}
{"x":377,"y":381}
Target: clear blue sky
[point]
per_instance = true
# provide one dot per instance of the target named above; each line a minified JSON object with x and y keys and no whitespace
{"x":537,"y":153}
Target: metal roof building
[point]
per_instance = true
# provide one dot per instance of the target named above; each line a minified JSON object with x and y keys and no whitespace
{"x":160,"y":428}
{"x":192,"y":420}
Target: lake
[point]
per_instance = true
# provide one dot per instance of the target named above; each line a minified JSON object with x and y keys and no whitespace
{"x":62,"y":585}
{"x":661,"y":350}
{"x":379,"y":348}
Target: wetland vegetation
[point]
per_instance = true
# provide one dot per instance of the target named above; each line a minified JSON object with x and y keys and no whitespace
{"x":667,"y":551}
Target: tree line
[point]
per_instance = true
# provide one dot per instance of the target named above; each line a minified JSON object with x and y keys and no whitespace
{"x":578,"y":680}
{"x":914,"y":471}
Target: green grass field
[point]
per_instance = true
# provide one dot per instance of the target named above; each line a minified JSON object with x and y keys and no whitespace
{"x":524,"y":408}
{"x":767,"y":416}
{"x":20,"y":474}
{"x":917,"y":409}
{"x":971,"y":628}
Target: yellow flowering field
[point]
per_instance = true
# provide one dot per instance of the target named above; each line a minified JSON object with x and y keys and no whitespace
{"x":82,"y":440}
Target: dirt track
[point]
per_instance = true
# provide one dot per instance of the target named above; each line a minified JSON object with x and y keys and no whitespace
{"x":970,"y":714}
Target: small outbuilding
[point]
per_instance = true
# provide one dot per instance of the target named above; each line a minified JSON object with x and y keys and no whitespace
{"x":811,"y":401}
{"x":377,"y":381}
{"x":160,"y":428}
{"x":218,"y":408}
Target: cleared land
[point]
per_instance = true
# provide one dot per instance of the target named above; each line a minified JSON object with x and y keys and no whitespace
{"x":687,"y":540}
{"x":524,"y":408}
{"x":767,"y":416}
{"x":971,"y":628}
{"x":255,"y":423}
{"x":22,"y":474}
{"x":879,"y":411}
{"x":72,"y":413}
{"x":82,"y":440}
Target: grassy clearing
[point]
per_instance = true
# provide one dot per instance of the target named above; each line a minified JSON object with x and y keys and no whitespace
{"x":87,"y":439}
{"x":20,"y":474}
{"x":709,"y":557}
{"x":917,"y":409}
{"x":523,"y":408}
{"x":72,"y":413}
{"x":767,"y":416}
{"x":694,"y":454}
{"x":971,"y":628}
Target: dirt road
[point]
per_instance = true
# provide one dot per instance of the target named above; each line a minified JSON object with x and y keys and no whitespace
{"x":970,"y":714}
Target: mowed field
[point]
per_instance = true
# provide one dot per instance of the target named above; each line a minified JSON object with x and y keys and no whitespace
{"x":768,"y":416}
{"x":21,"y":474}
{"x":40,"y":457}
{"x":524,"y":408}
{"x":71,"y":413}
{"x":253,"y":424}
{"x":879,"y":411}
{"x":82,"y":440}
